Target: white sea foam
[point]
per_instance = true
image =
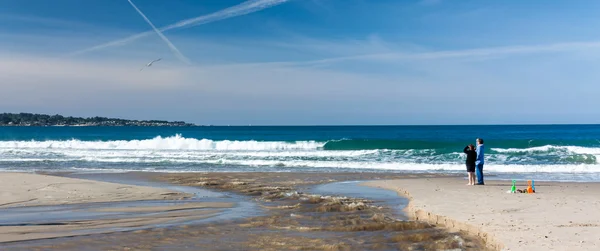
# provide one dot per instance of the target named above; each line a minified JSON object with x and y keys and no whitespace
{"x":177,"y":153}
{"x":545,"y":148}
{"x":395,"y":166}
{"x":550,"y":148}
{"x":228,"y":161}
{"x":583,"y":150}
{"x":168,"y":143}
{"x":50,"y":153}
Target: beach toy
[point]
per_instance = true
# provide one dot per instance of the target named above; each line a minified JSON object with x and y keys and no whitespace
{"x":529,"y":188}
{"x":533,"y":185}
{"x":513,"y":189}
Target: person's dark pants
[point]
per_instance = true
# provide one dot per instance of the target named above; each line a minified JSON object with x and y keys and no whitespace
{"x":479,"y":173}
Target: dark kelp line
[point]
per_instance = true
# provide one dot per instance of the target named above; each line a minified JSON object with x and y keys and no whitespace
{"x":295,"y":220}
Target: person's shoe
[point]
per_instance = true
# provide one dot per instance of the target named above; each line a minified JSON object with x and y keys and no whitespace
{"x":480,"y":184}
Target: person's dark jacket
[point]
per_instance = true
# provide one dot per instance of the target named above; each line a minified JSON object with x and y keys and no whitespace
{"x":471,"y":156}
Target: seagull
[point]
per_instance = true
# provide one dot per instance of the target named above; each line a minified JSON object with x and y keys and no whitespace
{"x":150,"y":64}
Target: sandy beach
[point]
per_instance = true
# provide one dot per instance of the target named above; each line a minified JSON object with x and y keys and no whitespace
{"x":25,"y":189}
{"x":559,"y":216}
{"x":291,"y":216}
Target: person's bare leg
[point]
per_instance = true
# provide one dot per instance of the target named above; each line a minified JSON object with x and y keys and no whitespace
{"x":470,"y":179}
{"x":472,"y":176}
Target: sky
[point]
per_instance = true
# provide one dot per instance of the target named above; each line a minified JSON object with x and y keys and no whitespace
{"x":304,"y":62}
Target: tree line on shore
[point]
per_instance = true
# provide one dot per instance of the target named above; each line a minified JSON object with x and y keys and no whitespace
{"x":30,"y":119}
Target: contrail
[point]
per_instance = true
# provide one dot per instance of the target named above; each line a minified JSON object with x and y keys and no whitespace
{"x":244,"y":8}
{"x":171,"y":45}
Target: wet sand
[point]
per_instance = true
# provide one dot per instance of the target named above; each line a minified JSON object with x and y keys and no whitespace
{"x":186,"y":206}
{"x":559,"y":216}
{"x":294,"y":219}
{"x":88,"y":227}
{"x":35,"y":199}
{"x":24,"y":189}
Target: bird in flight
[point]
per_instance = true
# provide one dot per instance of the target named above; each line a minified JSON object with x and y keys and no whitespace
{"x":150,"y":64}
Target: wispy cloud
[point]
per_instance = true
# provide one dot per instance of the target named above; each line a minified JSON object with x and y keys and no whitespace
{"x":176,"y":51}
{"x":467,"y":53}
{"x":440,"y":81}
{"x":237,"y":10}
{"x":45,"y":21}
{"x":73,"y":85}
{"x":370,"y":45}
{"x":313,"y":52}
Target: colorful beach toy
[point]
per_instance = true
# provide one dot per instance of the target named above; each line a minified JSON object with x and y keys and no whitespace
{"x":529,"y":188}
{"x":513,"y":189}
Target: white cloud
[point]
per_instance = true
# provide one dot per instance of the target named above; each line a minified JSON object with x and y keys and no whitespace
{"x":116,"y":87}
{"x":439,"y":86}
{"x":85,"y":73}
{"x":464,"y":54}
{"x":44,"y":21}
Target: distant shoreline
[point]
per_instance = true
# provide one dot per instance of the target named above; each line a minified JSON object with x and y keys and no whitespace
{"x":102,"y":125}
{"x":44,"y":120}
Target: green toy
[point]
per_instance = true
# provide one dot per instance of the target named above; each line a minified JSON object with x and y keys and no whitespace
{"x":513,"y":189}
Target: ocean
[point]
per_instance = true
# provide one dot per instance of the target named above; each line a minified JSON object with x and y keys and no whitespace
{"x":543,"y":152}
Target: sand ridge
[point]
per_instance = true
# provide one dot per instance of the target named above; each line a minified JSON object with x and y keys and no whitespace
{"x":25,"y":189}
{"x":86,"y":227}
{"x":559,"y":216}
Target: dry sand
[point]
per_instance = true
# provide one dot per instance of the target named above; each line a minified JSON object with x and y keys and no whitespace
{"x":559,"y":216}
{"x":24,"y":189}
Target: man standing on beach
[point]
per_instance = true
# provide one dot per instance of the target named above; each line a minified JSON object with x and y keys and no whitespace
{"x":479,"y":161}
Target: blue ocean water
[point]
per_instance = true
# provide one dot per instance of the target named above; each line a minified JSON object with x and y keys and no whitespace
{"x":558,"y":152}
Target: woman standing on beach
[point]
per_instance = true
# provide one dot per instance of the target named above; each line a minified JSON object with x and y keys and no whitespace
{"x":471,"y":157}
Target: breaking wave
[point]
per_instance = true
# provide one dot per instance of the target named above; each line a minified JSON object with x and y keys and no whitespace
{"x":178,"y":153}
{"x":176,"y":142}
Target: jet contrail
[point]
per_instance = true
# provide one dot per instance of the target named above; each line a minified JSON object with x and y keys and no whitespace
{"x":171,"y":45}
{"x":234,"y":11}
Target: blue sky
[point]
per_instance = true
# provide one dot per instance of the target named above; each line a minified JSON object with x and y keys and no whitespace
{"x":304,"y":61}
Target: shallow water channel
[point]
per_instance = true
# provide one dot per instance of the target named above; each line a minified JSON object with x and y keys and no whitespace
{"x":354,"y":189}
{"x":244,"y":206}
{"x":314,"y":217}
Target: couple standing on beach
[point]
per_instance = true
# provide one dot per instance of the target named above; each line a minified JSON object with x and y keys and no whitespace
{"x":475,"y":162}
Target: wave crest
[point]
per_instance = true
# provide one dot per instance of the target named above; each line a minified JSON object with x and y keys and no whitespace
{"x":550,"y":148}
{"x":176,"y":142}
